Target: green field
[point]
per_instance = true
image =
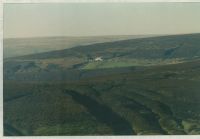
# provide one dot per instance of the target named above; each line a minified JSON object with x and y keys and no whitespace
{"x":117,"y":63}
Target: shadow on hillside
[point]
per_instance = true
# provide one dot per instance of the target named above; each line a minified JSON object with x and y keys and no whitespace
{"x":103,"y":113}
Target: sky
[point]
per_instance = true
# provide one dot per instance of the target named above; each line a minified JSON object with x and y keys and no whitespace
{"x":97,"y":19}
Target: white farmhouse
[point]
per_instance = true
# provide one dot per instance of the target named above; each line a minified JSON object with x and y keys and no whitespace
{"x":98,"y":59}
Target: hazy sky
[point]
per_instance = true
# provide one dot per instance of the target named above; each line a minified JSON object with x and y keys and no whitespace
{"x":88,"y":19}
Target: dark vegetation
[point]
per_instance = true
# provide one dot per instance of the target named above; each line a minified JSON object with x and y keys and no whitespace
{"x":134,"y":100}
{"x":103,"y":113}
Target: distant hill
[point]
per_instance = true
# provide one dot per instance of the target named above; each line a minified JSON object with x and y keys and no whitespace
{"x":23,"y":46}
{"x":133,"y":52}
{"x":173,"y":46}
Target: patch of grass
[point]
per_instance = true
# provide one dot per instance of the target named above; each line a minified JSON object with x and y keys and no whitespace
{"x":116,"y":63}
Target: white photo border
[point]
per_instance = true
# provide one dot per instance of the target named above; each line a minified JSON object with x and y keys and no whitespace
{"x":2,"y":2}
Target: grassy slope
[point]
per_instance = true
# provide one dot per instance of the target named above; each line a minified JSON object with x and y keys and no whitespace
{"x":156,"y":100}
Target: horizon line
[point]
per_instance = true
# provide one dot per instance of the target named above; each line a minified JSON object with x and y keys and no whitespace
{"x":74,"y":36}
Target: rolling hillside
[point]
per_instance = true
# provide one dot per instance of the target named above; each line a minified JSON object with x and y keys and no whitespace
{"x":135,"y":52}
{"x":157,"y":100}
{"x":144,"y":86}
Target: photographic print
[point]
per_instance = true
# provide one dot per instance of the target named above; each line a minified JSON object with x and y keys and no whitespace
{"x":82,"y":69}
